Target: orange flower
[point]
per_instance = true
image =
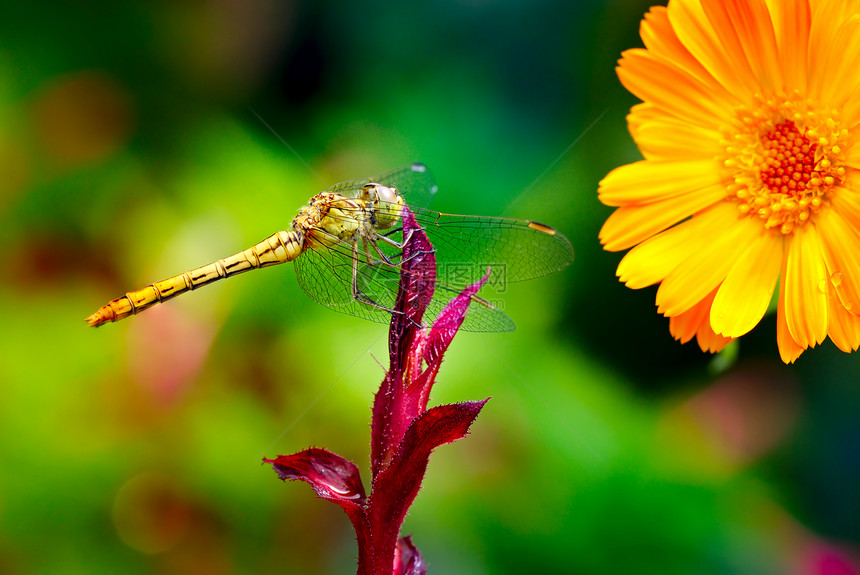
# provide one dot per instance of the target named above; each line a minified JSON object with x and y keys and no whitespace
{"x":749,"y":127}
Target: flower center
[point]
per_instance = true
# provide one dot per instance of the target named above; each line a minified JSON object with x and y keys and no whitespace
{"x":784,"y":159}
{"x":788,"y":162}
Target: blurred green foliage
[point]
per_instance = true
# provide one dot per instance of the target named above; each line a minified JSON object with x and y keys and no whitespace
{"x":137,"y":141}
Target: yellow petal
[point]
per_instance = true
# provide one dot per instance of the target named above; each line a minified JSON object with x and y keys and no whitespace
{"x":841,"y":249}
{"x":695,"y":322}
{"x":660,"y":39}
{"x":654,"y":80}
{"x":694,"y":278}
{"x":748,"y":41}
{"x":710,"y":341}
{"x":662,"y":136}
{"x":852,"y":155}
{"x":791,"y":22}
{"x":789,"y":350}
{"x":629,"y":225}
{"x":644,"y":112}
{"x":677,"y":141}
{"x":846,"y":202}
{"x":824,"y":43}
{"x":697,"y":34}
{"x":684,"y":326}
{"x":844,"y":48}
{"x":806,"y":287}
{"x":652,"y":260}
{"x":844,"y":327}
{"x":851,"y":116}
{"x":743,"y":297}
{"x":648,"y":181}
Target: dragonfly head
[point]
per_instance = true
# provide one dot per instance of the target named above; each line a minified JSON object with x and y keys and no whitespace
{"x":385,"y":202}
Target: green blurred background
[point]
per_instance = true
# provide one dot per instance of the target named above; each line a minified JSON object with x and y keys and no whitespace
{"x":139,"y":141}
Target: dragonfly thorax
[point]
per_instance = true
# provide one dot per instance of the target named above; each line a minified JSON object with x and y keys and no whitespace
{"x":384,"y":203}
{"x":331,"y":218}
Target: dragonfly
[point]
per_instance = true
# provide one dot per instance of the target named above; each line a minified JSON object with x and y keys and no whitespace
{"x":347,"y":245}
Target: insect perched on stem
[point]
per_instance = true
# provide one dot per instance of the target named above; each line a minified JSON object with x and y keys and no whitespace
{"x":347,"y":246}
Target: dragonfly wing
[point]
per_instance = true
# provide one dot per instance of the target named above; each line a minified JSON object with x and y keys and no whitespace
{"x":348,"y":189}
{"x":326,"y":275}
{"x":514,"y":250}
{"x":466,"y":246}
{"x":483,"y":315}
{"x":414,"y":182}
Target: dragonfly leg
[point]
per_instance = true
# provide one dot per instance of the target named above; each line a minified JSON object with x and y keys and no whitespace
{"x":357,"y":294}
{"x":384,"y":258}
{"x":385,"y":237}
{"x":399,"y":245}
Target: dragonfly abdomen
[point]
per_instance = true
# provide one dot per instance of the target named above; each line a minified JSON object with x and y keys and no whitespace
{"x":278,"y":248}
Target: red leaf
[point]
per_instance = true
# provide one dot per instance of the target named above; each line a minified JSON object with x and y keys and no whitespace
{"x":332,"y":477}
{"x":407,"y":559}
{"x":335,"y":479}
{"x":396,"y":486}
{"x":449,"y":321}
{"x":430,"y":345}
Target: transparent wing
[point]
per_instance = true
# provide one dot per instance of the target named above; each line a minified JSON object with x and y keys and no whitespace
{"x":514,"y":250}
{"x":326,"y":275}
{"x":482,"y":316}
{"x":414,"y":182}
{"x":466,"y":246}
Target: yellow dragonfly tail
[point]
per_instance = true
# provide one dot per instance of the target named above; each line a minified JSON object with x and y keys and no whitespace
{"x":276,"y":249}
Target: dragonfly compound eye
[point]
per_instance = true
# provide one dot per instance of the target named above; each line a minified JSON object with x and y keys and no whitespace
{"x":386,"y":205}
